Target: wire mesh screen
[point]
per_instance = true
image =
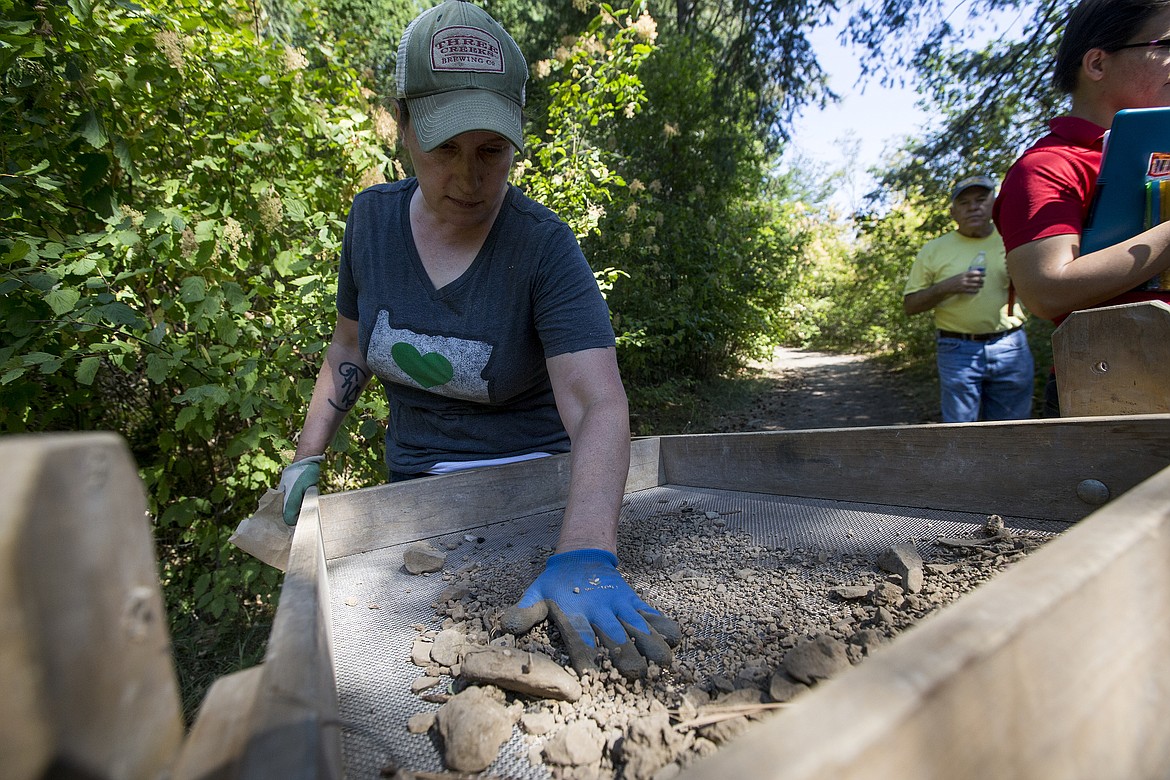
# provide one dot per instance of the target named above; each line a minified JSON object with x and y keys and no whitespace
{"x":379,"y":609}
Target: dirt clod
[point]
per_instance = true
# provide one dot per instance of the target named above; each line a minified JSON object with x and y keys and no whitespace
{"x":473,"y":725}
{"x":579,"y":743}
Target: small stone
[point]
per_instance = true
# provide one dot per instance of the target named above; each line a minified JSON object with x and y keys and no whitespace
{"x":650,"y":744}
{"x":473,"y":725}
{"x":423,"y":683}
{"x":725,"y":730}
{"x":423,"y":558}
{"x":751,"y":677}
{"x":420,"y":653}
{"x":816,"y":659}
{"x":447,"y":648}
{"x":351,"y":601}
{"x":903,"y":559}
{"x":454,"y":593}
{"x":579,"y":743}
{"x":783,"y":688}
{"x":420,"y":723}
{"x":695,"y":696}
{"x":867,"y":638}
{"x":734,"y":699}
{"x":722,"y":684}
{"x":523,"y":672}
{"x":852,"y":592}
{"x":537,"y":723}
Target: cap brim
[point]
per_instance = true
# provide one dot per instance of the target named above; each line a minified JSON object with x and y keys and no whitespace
{"x":955,"y":195}
{"x":439,"y":118}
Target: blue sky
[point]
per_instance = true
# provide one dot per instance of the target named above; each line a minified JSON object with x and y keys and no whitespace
{"x":872,"y":116}
{"x":870,"y":119}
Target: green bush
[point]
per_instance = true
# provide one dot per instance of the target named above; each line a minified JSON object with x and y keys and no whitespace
{"x":702,"y":242}
{"x":175,"y":178}
{"x":173,"y":192}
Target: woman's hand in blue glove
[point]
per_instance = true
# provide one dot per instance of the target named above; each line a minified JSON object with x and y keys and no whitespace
{"x":585,"y":596}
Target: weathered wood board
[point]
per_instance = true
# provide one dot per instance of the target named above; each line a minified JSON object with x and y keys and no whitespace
{"x":287,"y":707}
{"x":1030,"y":468}
{"x":89,"y":683}
{"x":377,"y":517}
{"x":1114,"y":360}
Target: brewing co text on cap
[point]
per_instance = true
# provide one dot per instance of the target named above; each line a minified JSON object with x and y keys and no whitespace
{"x":459,"y":71}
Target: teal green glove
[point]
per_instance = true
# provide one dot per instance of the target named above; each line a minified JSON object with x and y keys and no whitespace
{"x":294,"y":481}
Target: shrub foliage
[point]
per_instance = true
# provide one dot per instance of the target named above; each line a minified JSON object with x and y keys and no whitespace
{"x":174,"y":181}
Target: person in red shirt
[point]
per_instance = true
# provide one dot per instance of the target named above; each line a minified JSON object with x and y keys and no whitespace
{"x":1115,"y":54}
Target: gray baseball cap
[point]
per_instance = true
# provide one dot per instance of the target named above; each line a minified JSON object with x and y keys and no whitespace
{"x":980,"y":180}
{"x":459,"y":71}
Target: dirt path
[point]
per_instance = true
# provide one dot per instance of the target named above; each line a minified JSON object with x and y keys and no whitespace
{"x":804,"y":389}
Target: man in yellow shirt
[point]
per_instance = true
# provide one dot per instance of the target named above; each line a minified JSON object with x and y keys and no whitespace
{"x":985,"y":367}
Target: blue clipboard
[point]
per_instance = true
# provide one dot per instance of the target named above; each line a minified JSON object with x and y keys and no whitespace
{"x":1118,"y":208}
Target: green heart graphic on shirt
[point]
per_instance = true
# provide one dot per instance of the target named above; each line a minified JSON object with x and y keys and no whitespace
{"x":429,"y":370}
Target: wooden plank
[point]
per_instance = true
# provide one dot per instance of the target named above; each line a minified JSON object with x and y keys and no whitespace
{"x":296,"y":730}
{"x":1027,"y":469}
{"x":282,"y":715}
{"x":89,"y":683}
{"x":1114,"y":360}
{"x":358,"y":521}
{"x":1054,"y":669}
{"x":221,"y":731}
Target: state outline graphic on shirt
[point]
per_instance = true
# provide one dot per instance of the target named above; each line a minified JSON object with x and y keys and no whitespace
{"x":444,"y":365}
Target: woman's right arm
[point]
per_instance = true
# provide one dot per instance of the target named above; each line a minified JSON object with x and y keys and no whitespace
{"x":1052,"y":279}
{"x":343,"y":376}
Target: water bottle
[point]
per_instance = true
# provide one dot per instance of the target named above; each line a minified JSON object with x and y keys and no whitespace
{"x":979,"y":264}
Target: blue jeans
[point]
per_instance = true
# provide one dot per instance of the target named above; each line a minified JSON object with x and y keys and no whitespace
{"x":986,"y":380}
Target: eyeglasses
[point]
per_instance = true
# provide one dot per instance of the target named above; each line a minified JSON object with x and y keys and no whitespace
{"x":1161,"y":43}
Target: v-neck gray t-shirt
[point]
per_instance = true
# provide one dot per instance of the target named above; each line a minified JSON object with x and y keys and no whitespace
{"x":463,"y":366}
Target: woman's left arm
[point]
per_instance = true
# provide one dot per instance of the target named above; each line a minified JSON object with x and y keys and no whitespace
{"x":592,"y":403}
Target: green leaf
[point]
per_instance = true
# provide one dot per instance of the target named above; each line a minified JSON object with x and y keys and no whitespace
{"x":283,"y":262}
{"x":18,"y":252}
{"x":153,"y":219}
{"x":87,"y":370}
{"x":119,"y":313}
{"x":193,"y":289}
{"x":157,"y":368}
{"x":205,"y":394}
{"x":81,"y":9}
{"x":91,"y":130}
{"x":62,"y":301}
{"x":186,"y":416}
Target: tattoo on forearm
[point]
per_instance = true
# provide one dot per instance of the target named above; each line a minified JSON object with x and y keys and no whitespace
{"x":352,"y":381}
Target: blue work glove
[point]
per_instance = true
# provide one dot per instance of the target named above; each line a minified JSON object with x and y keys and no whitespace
{"x":583,"y":594}
{"x":294,"y":481}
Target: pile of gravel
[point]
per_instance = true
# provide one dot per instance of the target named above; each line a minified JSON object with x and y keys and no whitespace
{"x":761,"y":626}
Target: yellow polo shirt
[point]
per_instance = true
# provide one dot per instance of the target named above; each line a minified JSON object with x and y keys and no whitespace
{"x":984,"y":312}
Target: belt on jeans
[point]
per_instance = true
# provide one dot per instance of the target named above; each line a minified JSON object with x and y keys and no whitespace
{"x":950,"y":334}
